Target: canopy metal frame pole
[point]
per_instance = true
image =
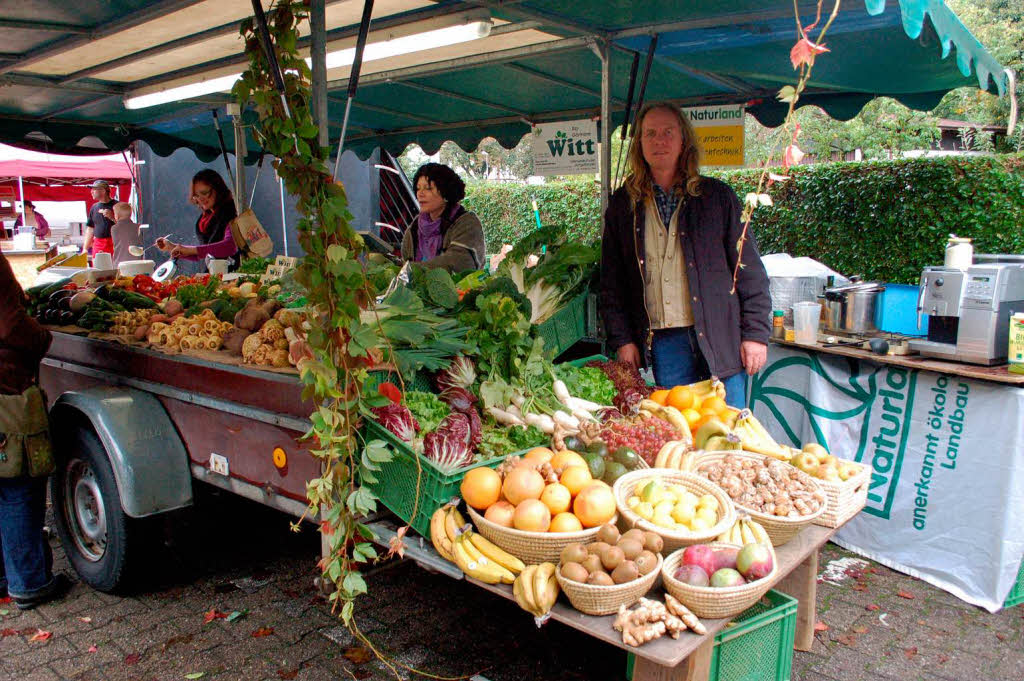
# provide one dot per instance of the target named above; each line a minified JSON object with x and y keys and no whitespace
{"x":284,"y":222}
{"x":318,"y":55}
{"x":353,"y":77}
{"x":241,"y":195}
{"x":603,"y":50}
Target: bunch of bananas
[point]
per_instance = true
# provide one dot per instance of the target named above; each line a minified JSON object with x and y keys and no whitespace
{"x":745,"y":531}
{"x":676,"y":454}
{"x":714,"y":436}
{"x":755,"y":438}
{"x":475,"y":555}
{"x":536,"y":589}
{"x":672,"y":415}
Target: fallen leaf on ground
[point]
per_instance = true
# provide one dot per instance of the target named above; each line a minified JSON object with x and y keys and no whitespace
{"x":236,"y":615}
{"x":860,"y":630}
{"x":92,"y":649}
{"x":358,"y":654}
{"x":132,"y":658}
{"x":41,"y":635}
{"x":943,"y":659}
{"x":906,"y":594}
{"x":87,"y":620}
{"x":195,"y":675}
{"x":820,"y":626}
{"x":213,"y":614}
{"x":288,"y":674}
{"x":396,"y":545}
{"x":8,"y":632}
{"x":176,"y":640}
{"x":262,"y":631}
{"x":4,"y":613}
{"x":28,"y":631}
{"x":872,"y":607}
{"x":847,"y":639}
{"x":1001,"y":637}
{"x":910,"y":653}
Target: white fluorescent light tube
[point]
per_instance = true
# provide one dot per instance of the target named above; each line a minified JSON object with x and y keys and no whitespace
{"x":427,"y":40}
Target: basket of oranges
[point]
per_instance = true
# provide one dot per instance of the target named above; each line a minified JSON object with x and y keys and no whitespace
{"x":535,"y":506}
{"x":698,"y":402}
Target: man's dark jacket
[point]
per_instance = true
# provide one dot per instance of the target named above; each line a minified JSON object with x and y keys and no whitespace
{"x":709,"y":227}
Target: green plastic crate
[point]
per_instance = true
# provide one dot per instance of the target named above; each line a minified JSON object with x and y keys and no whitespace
{"x":565,"y":327}
{"x":396,"y":480}
{"x":582,"y":361}
{"x":1016,"y":596}
{"x":419,"y":381}
{"x":756,"y":646}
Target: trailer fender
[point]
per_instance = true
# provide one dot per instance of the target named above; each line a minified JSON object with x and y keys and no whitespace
{"x":150,"y":463}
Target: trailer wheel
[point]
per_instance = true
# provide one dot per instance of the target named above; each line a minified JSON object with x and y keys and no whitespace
{"x":93,"y":527}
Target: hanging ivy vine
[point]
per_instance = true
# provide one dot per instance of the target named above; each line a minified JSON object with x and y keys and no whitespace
{"x":342,"y":347}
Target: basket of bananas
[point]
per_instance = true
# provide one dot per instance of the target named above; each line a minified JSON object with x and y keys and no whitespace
{"x":682,"y":507}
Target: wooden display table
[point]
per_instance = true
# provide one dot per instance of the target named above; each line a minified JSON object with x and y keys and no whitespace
{"x":24,"y":263}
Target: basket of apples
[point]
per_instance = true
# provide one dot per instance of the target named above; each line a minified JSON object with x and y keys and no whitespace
{"x":845,"y":482}
{"x":684,"y":508}
{"x":719,"y":580}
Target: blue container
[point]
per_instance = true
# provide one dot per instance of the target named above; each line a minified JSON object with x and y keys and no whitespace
{"x":896,"y":311}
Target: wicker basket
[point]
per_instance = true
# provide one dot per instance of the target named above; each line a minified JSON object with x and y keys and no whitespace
{"x":531,"y":547}
{"x":715,"y":603}
{"x":673,"y":539}
{"x":781,"y":530}
{"x":593,"y":599}
{"x":845,"y":499}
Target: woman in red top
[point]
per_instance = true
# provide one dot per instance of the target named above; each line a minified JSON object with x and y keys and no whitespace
{"x":212,"y":195}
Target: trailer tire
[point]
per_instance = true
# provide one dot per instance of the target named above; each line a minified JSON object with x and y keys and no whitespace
{"x":96,"y":533}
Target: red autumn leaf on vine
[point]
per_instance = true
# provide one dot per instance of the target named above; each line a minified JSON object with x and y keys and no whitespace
{"x":326,"y":529}
{"x":804,"y":52}
{"x":262,"y":631}
{"x":792,"y":156}
{"x":390,"y":391}
{"x":41,"y":635}
{"x":213,"y":614}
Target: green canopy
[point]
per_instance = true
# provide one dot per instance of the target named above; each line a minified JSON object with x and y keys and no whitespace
{"x":68,"y":66}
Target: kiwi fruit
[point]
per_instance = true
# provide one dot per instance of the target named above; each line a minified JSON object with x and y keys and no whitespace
{"x":575,"y":572}
{"x":626,"y":571}
{"x":609,"y":534}
{"x":646,"y":562}
{"x":653,"y":542}
{"x":574,"y":553}
{"x":600,"y":579}
{"x":611,"y":557}
{"x":631,"y":548}
{"x":597,"y":547}
{"x":636,"y":533}
{"x":592,"y":563}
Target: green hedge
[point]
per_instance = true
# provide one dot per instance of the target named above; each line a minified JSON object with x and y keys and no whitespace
{"x":885,"y":220}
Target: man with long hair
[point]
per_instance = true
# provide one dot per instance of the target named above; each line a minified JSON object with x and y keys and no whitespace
{"x":668,"y":256}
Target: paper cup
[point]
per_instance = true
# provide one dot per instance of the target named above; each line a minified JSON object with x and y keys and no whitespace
{"x":216,"y":267}
{"x":103,"y":261}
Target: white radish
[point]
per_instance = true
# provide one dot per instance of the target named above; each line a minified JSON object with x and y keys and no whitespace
{"x":585,"y":416}
{"x":578,"y":403}
{"x":543,"y":422}
{"x":561,"y":391}
{"x":566,"y":421}
{"x":514,"y":410}
{"x":518,"y":400}
{"x":504,"y":418}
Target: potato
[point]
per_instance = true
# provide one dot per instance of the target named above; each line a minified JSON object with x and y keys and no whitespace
{"x":233,"y":339}
{"x":172,"y":307}
{"x":141,"y":332}
{"x":251,"y":317}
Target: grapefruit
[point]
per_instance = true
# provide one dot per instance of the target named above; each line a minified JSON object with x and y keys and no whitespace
{"x":557,"y":498}
{"x":565,"y":522}
{"x":522,"y":483}
{"x":538,"y":455}
{"x":532,"y":516}
{"x":594,"y":505}
{"x":576,"y":478}
{"x":566,"y":458}
{"x":500,"y":513}
{"x":481,"y":487}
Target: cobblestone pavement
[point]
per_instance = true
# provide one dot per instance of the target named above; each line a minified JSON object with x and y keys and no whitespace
{"x":230,"y":556}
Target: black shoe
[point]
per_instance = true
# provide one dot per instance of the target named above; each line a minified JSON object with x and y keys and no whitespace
{"x":57,"y":588}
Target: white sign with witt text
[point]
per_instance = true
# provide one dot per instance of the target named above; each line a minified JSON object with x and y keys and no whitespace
{"x":565,"y":148}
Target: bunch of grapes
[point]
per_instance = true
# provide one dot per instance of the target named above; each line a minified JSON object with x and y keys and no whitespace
{"x":646,"y":436}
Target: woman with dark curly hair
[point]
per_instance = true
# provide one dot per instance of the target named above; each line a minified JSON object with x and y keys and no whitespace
{"x":444,"y":234}
{"x":209,"y":191}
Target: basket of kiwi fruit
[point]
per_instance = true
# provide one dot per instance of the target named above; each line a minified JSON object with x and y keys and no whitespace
{"x":614,"y":569}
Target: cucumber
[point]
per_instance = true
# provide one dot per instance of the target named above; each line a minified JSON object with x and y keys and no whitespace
{"x":50,"y":289}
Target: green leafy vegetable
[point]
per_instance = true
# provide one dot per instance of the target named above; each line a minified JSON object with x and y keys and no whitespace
{"x":428,"y":409}
{"x":501,"y":441}
{"x":418,"y":337}
{"x":562,"y":272}
{"x":255,"y":265}
{"x":588,"y":383}
{"x":441,"y":288}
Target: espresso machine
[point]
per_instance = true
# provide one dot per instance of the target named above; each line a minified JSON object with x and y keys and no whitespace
{"x":969,"y":309}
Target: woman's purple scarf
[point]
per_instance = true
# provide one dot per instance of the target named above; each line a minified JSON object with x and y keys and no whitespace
{"x":429,"y":235}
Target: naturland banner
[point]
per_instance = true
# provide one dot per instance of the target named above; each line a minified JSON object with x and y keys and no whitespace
{"x":946,"y":497}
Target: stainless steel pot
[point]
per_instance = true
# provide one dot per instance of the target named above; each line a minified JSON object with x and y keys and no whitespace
{"x":851,"y":308}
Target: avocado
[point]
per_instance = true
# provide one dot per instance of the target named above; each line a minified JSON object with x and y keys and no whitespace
{"x":574,"y":444}
{"x":596,"y":464}
{"x":598,"y":447}
{"x":613,"y":470}
{"x":627,"y":457}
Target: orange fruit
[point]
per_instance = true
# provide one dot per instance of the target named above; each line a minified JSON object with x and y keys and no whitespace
{"x":715,"y":403}
{"x":500,"y":513}
{"x":481,"y":487}
{"x":531,"y":515}
{"x":557,"y":498}
{"x":522,"y":483}
{"x":594,"y":505}
{"x":538,"y":455}
{"x":660,"y":396}
{"x":704,"y":418}
{"x":566,"y":458}
{"x":692,"y":416}
{"x":565,"y":522}
{"x":681,"y":397}
{"x":575,"y":478}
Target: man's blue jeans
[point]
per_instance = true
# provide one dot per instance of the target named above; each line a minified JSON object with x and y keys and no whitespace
{"x":27,"y":561}
{"x":678,"y":361}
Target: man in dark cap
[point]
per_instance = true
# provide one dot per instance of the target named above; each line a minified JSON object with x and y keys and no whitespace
{"x":101,"y":219}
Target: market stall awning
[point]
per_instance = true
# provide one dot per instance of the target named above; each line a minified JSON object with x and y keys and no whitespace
{"x":68,"y":69}
{"x":82,"y":172}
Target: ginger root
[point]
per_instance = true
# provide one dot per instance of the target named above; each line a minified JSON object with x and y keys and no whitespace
{"x":683,"y":613}
{"x":653,"y":619}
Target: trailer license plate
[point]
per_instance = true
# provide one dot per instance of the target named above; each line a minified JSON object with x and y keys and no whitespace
{"x":218,"y":463}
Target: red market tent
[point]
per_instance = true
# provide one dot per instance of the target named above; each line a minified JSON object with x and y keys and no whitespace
{"x":64,"y":181}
